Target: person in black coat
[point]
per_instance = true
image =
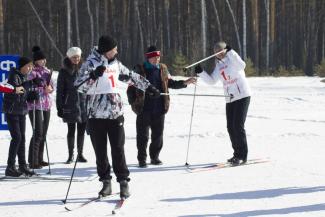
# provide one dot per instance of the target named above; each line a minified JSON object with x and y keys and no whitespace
{"x":151,"y":112}
{"x":15,"y":109}
{"x":71,"y":104}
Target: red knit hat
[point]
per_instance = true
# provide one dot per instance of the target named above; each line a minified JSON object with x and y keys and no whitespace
{"x":152,"y":52}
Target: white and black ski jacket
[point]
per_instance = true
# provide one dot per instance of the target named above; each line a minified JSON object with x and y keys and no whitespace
{"x":103,"y":98}
{"x":230,"y":70}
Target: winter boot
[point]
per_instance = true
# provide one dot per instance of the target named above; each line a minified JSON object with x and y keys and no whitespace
{"x":12,"y":171}
{"x":80,"y":146}
{"x":25,"y":170}
{"x":124,"y":189}
{"x":43,"y":163}
{"x":156,"y":161}
{"x":70,"y":148}
{"x":35,"y":166}
{"x":143,"y":164}
{"x":231,"y":159}
{"x":107,"y":188}
{"x":237,"y":161}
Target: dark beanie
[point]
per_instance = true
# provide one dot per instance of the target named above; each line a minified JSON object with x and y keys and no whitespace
{"x":152,"y":51}
{"x":37,"y":53}
{"x":23,"y":61}
{"x":106,"y":43}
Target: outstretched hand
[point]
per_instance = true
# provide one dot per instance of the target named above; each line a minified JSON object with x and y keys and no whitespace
{"x":191,"y":80}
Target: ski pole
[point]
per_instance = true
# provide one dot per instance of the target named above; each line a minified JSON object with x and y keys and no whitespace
{"x":34,"y":142}
{"x":75,"y":163}
{"x":190,"y":131}
{"x":45,"y":140}
{"x":202,"y":60}
{"x":74,"y":168}
{"x":47,"y":150}
{"x":186,"y":94}
{"x":48,"y":157}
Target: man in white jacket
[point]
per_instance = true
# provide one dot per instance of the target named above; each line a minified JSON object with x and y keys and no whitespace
{"x":229,"y":70}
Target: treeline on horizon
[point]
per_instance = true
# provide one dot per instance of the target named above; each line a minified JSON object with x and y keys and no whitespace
{"x":275,"y":37}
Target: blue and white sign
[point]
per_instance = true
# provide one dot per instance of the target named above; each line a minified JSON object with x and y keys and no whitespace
{"x":6,"y":63}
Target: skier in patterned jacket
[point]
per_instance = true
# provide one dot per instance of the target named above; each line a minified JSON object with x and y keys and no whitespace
{"x":98,"y":78}
{"x":230,"y":70}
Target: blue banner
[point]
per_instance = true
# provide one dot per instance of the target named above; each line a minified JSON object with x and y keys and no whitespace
{"x":6,"y":63}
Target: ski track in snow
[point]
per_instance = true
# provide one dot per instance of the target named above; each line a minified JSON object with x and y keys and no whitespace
{"x":285,"y":124}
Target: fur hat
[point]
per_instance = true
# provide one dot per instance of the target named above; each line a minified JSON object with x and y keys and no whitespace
{"x":220,"y":45}
{"x":23,"y":61}
{"x":106,"y":43}
{"x":37,"y":53}
{"x":74,"y":51}
{"x":152,"y":51}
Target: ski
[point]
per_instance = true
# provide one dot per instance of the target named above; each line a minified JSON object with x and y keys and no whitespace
{"x":118,"y":205}
{"x":39,"y":177}
{"x":225,"y":165}
{"x":89,"y":201}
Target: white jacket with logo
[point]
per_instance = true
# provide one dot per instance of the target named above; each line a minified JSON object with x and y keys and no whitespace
{"x":230,"y":71}
{"x":103,"y":98}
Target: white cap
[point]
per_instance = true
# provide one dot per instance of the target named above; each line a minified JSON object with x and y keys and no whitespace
{"x":74,"y":51}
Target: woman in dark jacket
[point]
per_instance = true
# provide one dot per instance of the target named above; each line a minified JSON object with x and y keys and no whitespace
{"x":71,"y":104}
{"x":15,"y":109}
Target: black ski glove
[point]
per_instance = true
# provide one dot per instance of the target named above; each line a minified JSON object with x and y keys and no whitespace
{"x":198,"y":69}
{"x":124,"y":77}
{"x":37,"y":82}
{"x":32,"y":95}
{"x":153,"y":92}
{"x":98,"y":72}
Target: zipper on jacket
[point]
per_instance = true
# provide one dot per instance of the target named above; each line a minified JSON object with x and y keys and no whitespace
{"x":238,"y":88}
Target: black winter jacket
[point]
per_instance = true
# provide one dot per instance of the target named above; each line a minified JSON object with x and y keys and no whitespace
{"x":13,"y":103}
{"x":137,"y":99}
{"x":71,"y":102}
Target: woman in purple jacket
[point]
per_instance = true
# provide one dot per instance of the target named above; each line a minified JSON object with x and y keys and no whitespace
{"x":41,"y":109}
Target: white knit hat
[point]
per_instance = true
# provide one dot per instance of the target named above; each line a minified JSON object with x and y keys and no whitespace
{"x":74,"y":51}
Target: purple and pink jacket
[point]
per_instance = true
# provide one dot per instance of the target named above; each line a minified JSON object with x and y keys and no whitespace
{"x":45,"y":101}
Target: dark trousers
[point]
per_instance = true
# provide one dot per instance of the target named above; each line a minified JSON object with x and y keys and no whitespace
{"x":81,"y":128}
{"x":236,"y":113}
{"x":99,"y":129}
{"x":146,"y":121}
{"x":37,"y":142}
{"x":17,"y":128}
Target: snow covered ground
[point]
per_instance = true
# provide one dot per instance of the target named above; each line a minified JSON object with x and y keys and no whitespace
{"x":285,"y":124}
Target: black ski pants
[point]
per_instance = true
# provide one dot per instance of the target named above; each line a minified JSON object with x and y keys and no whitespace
{"x":236,"y":113}
{"x":144,"y":122}
{"x":99,"y":129}
{"x":17,"y":128}
{"x":37,"y":142}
